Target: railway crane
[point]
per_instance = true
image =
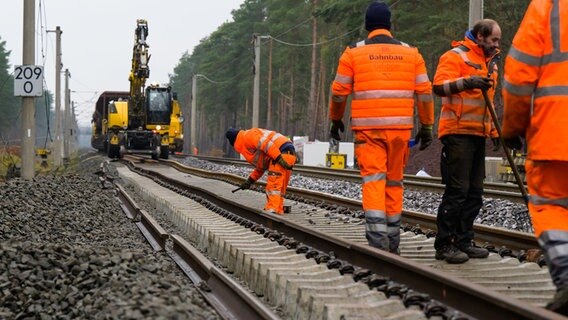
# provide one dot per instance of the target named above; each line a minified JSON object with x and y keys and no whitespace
{"x":145,"y":120}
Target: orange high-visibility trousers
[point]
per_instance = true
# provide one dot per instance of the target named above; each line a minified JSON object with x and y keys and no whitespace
{"x":547,"y":182}
{"x":382,"y":155}
{"x":548,"y":207}
{"x":277,"y":183}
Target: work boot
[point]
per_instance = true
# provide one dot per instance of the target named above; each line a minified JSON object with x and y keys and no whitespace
{"x":474,"y":251}
{"x":451,"y":254}
{"x":559,"y":303}
{"x":271,"y":211}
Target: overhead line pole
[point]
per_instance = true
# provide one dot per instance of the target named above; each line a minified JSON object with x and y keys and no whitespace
{"x":28,"y":103}
{"x":66,"y":119}
{"x":57,"y":142}
{"x":475,"y":12}
{"x":256,"y":88}
{"x":193,"y":129}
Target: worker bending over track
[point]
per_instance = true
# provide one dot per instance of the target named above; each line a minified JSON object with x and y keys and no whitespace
{"x":266,"y":150}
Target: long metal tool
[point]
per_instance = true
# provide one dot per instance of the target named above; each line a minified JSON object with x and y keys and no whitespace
{"x":506,"y":149}
{"x":489,"y":105}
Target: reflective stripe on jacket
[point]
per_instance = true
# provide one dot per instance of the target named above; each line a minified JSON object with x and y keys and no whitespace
{"x":259,"y":147}
{"x":536,"y":69}
{"x":464,"y":112}
{"x":386,"y":76}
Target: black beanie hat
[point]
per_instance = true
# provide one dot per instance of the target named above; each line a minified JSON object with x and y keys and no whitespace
{"x":378,"y":16}
{"x":232,"y":135}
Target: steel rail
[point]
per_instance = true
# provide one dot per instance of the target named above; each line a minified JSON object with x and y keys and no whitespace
{"x":462,"y":295}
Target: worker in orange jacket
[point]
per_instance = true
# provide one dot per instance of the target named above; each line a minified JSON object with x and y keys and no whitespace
{"x":536,"y":101}
{"x":462,"y":74}
{"x":386,"y":77}
{"x":266,"y":150}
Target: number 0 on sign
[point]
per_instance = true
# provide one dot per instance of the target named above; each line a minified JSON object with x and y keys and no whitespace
{"x":28,"y":81}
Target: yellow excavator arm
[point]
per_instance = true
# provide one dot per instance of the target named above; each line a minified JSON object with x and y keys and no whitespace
{"x":140,"y":70}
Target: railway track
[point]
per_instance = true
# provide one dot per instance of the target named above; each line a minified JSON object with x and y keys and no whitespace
{"x":496,"y":237}
{"x":227,"y":297}
{"x":517,"y":290}
{"x":495,"y":190}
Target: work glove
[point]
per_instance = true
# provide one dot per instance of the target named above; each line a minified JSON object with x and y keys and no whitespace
{"x":336,"y":126}
{"x":247,"y":184}
{"x":514,"y":143}
{"x":496,"y":143}
{"x":477,"y":82}
{"x":283,"y":163}
{"x":424,"y":136}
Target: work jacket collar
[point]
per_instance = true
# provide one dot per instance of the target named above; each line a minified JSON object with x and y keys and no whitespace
{"x":470,"y":44}
{"x":378,"y":32}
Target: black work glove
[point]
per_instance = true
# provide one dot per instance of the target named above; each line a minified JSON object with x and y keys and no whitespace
{"x":514,"y":143}
{"x":283,"y":163}
{"x":424,"y":136}
{"x":477,"y":82}
{"x":496,"y":143}
{"x":247,"y":184}
{"x":336,"y":126}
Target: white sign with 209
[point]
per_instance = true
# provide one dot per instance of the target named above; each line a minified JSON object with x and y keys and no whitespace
{"x":28,"y":81}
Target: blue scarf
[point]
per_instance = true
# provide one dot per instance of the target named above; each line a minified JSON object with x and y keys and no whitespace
{"x":470,"y":36}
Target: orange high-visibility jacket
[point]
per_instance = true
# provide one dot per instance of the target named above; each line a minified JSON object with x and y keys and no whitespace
{"x":465,"y":112}
{"x":385,"y":75}
{"x":259,"y":147}
{"x":537,"y":67}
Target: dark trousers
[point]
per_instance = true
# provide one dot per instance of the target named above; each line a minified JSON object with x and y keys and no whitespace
{"x":463,"y":170}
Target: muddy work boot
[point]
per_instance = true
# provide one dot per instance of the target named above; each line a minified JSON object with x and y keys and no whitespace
{"x":451,"y":254}
{"x":559,"y":303}
{"x":474,"y":251}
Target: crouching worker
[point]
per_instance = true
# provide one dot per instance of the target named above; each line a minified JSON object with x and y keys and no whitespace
{"x":266,"y":150}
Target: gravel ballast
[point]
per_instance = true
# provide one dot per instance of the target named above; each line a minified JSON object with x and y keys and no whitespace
{"x":67,"y":251}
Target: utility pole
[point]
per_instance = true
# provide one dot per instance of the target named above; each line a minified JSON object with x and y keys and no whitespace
{"x":256,"y":86}
{"x":192,"y":136}
{"x":475,"y":12}
{"x":73,"y":129}
{"x":256,"y":89}
{"x":66,"y":119}
{"x":269,"y":91}
{"x":57,"y":142}
{"x":312,"y":109}
{"x":28,"y":103}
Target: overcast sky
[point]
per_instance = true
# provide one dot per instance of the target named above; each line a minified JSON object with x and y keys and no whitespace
{"x":98,"y":36}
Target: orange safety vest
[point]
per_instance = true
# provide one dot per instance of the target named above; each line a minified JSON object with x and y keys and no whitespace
{"x":536,"y":69}
{"x":385,"y":75}
{"x":259,"y":147}
{"x":465,"y":112}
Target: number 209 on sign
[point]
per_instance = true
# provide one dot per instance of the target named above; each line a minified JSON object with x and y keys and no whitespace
{"x":28,"y":81}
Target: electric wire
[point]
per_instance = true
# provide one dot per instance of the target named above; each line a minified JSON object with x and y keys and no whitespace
{"x":314,"y":44}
